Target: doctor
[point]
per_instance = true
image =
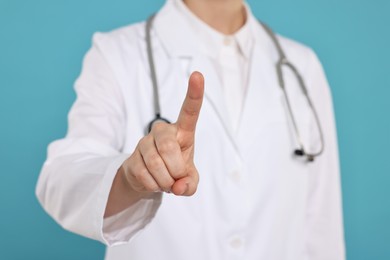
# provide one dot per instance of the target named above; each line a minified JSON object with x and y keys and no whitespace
{"x":219,"y":182}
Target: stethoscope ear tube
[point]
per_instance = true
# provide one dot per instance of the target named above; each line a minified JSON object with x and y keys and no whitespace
{"x":152,"y":67}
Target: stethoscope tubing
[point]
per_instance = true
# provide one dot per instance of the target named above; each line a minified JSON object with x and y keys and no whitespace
{"x":283,"y":61}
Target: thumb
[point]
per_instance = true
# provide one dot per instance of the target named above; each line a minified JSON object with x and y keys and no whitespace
{"x":192,"y":103}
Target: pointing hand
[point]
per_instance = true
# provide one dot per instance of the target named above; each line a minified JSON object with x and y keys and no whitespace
{"x":163,"y":160}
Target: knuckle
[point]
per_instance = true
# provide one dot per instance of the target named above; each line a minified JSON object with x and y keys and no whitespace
{"x":142,"y":142}
{"x":129,"y":176}
{"x":141,"y":175}
{"x":179,"y":173}
{"x":191,"y":111}
{"x":167,"y":146}
{"x":128,"y":173}
{"x":137,"y":183}
{"x":154,"y":161}
{"x":159,"y":126}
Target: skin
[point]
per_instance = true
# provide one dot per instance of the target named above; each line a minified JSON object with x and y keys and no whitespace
{"x":225,"y":16}
{"x":163,"y":160}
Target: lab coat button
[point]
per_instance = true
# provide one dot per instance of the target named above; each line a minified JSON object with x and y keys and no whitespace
{"x":236,"y":243}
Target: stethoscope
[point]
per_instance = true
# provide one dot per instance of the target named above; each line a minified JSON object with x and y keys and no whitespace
{"x":283,"y":61}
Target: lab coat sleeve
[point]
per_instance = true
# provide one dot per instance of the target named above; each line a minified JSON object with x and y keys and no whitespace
{"x":325,"y":237}
{"x":77,"y":176}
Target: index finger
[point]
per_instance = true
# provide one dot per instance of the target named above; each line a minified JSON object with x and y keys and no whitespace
{"x":192,"y":103}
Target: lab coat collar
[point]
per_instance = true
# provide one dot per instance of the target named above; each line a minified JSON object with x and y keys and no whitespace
{"x":211,"y":41}
{"x":176,"y":35}
{"x":174,"y":32}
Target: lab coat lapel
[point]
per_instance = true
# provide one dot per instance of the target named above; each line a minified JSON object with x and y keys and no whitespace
{"x":213,"y":91}
{"x":263,"y":97}
{"x":180,"y":43}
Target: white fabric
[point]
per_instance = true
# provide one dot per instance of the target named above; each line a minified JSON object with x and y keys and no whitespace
{"x":231,"y":68}
{"x":254,"y":200}
{"x":230,"y":53}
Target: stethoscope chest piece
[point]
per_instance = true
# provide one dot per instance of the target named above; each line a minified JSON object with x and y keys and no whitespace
{"x":158,"y":118}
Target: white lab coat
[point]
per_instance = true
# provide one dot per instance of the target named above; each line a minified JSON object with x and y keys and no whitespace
{"x":255,"y":200}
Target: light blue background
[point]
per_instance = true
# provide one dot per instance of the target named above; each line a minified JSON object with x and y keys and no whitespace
{"x":42,"y":43}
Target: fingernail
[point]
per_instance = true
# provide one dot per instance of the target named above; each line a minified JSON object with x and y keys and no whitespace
{"x":186,"y":189}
